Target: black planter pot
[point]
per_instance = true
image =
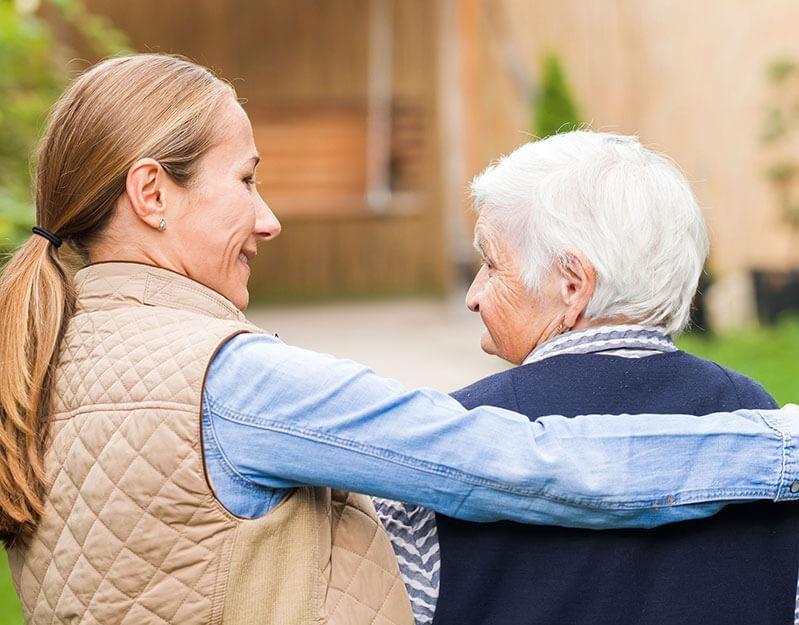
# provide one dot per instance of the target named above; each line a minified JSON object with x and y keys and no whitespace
{"x":776,"y":293}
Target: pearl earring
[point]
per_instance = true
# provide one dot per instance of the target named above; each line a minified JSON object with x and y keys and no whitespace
{"x":162,"y":225}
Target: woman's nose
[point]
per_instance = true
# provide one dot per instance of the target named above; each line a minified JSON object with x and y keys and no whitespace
{"x":473,"y":295}
{"x":266,"y":224}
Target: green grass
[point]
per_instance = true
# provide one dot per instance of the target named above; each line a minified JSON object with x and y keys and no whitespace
{"x":769,"y":355}
{"x":10,"y":612}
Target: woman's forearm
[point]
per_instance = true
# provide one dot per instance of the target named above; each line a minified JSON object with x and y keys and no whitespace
{"x":287,"y":417}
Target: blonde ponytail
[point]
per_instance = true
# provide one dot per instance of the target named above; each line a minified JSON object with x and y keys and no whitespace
{"x":36,"y":299}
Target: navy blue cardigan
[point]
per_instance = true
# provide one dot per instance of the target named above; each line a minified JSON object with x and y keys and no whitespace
{"x":737,"y":568}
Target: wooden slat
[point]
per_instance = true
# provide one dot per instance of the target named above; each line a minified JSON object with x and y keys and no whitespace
{"x":313,"y":154}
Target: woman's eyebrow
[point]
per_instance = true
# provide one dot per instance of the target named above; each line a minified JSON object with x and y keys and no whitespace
{"x":480,"y":246}
{"x":254,"y":160}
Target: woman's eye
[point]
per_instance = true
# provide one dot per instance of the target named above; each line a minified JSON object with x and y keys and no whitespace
{"x":250,"y":181}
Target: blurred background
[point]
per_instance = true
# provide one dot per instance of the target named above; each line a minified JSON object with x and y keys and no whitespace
{"x":372,"y":116}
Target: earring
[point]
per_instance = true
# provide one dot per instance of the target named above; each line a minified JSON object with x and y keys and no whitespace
{"x":162,"y":225}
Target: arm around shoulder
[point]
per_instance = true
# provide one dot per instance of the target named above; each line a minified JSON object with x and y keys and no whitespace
{"x":287,"y":417}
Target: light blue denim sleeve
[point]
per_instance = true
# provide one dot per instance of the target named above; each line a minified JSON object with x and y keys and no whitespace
{"x":282,"y":417}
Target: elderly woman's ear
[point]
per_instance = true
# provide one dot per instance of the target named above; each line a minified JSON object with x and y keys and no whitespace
{"x":577,"y":282}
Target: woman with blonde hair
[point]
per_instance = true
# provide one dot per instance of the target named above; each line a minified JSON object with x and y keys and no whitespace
{"x":122,"y":497}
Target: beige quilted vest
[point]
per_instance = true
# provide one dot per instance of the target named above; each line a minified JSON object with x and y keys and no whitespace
{"x":132,"y":533}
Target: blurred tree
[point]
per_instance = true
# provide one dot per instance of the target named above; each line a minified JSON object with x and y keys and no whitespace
{"x":554,"y":107}
{"x":33,"y":71}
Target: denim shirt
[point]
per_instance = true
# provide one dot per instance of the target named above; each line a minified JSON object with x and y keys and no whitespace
{"x":276,"y":417}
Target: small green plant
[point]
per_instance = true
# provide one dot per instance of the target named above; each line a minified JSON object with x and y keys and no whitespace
{"x":33,"y":71}
{"x":779,"y":135}
{"x":554,"y":107}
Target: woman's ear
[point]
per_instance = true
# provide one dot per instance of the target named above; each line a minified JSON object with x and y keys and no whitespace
{"x":145,"y":188}
{"x":577,"y":284}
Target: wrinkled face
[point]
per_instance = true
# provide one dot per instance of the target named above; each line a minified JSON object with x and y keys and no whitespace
{"x":220,"y":216}
{"x":515,"y":320}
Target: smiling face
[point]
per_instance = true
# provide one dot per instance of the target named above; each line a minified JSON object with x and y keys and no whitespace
{"x":213,"y":222}
{"x":515,"y":320}
{"x":218,"y":219}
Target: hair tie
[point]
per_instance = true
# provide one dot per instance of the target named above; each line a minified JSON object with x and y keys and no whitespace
{"x":50,"y":237}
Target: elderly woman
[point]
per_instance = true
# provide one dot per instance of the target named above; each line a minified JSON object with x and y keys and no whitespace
{"x":164,"y":461}
{"x":592,"y":247}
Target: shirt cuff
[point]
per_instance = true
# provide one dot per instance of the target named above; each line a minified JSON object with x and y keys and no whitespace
{"x":786,"y":423}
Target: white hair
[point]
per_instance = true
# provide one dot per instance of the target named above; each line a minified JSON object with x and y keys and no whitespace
{"x":629,"y":210}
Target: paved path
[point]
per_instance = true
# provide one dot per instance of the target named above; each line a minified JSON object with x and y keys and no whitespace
{"x":419,"y":342}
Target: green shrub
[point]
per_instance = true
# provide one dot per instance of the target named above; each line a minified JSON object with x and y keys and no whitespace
{"x":554,"y":108}
{"x":33,"y":71}
{"x":30,"y":80}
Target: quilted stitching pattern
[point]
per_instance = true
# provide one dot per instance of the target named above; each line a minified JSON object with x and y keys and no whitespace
{"x":131,"y":533}
{"x":364,"y":585}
